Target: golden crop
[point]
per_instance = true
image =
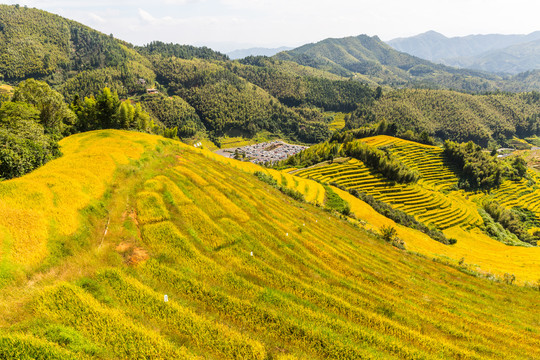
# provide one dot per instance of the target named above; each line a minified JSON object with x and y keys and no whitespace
{"x":250,"y":273}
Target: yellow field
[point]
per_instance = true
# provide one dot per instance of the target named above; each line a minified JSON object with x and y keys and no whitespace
{"x":421,"y":200}
{"x":46,"y":202}
{"x":231,"y":142}
{"x":338,"y":122}
{"x":4,"y":88}
{"x":248,"y":272}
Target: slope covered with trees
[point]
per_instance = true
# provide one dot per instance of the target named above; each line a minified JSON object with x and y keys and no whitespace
{"x":246,"y":108}
{"x":79,"y":62}
{"x":174,"y":112}
{"x":266,"y":94}
{"x":371,"y":57}
{"x":313,"y":89}
{"x":368,"y":57}
{"x":460,"y":117}
{"x":436,"y":47}
{"x":34,"y":43}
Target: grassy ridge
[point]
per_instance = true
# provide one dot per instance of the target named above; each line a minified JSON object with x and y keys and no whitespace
{"x":264,"y":277}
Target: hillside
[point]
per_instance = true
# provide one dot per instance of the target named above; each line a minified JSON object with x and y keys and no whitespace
{"x":204,"y":95}
{"x":434,"y":200}
{"x":248,"y":271}
{"x":211,"y":96}
{"x":436,"y":47}
{"x":37,"y":43}
{"x":371,"y":57}
{"x":484,"y":119}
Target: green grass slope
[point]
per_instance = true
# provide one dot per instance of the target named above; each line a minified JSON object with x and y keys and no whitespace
{"x":249,"y":273}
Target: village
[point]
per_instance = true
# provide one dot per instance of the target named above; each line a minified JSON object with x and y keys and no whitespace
{"x":267,"y":152}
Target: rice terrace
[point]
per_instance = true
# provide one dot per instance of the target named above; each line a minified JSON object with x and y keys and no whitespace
{"x":341,"y":199}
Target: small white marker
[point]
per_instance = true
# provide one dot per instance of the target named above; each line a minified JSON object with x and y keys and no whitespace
{"x":251,"y":253}
{"x":304,"y":224}
{"x":286,"y":234}
{"x":166,"y":298}
{"x":316,"y":220}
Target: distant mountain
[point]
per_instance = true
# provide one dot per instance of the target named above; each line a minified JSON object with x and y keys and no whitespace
{"x":512,"y":59}
{"x":370,"y":57}
{"x":494,"y":53}
{"x":256,"y":51}
{"x":436,"y":47}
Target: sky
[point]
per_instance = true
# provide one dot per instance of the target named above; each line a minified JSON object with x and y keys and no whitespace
{"x":226,"y":25}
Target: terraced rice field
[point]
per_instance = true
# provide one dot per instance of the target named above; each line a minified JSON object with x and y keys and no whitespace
{"x":338,"y":121}
{"x":519,"y":193}
{"x":249,"y":273}
{"x":427,"y":160}
{"x":423,"y":202}
{"x":232,"y":142}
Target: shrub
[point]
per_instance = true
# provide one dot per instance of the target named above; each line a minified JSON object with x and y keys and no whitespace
{"x":388,"y":233}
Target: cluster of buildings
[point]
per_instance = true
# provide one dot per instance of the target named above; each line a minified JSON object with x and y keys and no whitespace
{"x":266,"y":152}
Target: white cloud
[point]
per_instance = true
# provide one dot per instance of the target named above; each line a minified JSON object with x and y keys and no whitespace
{"x":97,"y":18}
{"x":146,"y":17}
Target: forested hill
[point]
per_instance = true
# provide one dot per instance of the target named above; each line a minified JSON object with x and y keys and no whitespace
{"x":449,"y":115}
{"x":370,"y":57}
{"x":494,"y":53}
{"x":37,"y":43}
{"x":202,"y":89}
{"x":201,"y":92}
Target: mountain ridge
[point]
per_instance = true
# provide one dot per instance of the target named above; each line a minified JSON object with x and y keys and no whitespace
{"x":470,"y":51}
{"x":371,"y":57}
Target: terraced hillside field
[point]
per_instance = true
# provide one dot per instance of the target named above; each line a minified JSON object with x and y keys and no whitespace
{"x":423,"y":200}
{"x":524,"y":193}
{"x":441,"y":176}
{"x":248,"y":272}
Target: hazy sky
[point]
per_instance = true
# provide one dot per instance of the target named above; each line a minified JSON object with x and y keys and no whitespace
{"x":230,"y":24}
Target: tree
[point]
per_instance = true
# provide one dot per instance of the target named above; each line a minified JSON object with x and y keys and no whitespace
{"x":24,"y":144}
{"x":54,"y":113}
{"x":141,"y":118}
{"x":107,"y":104}
{"x":125,"y":115}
